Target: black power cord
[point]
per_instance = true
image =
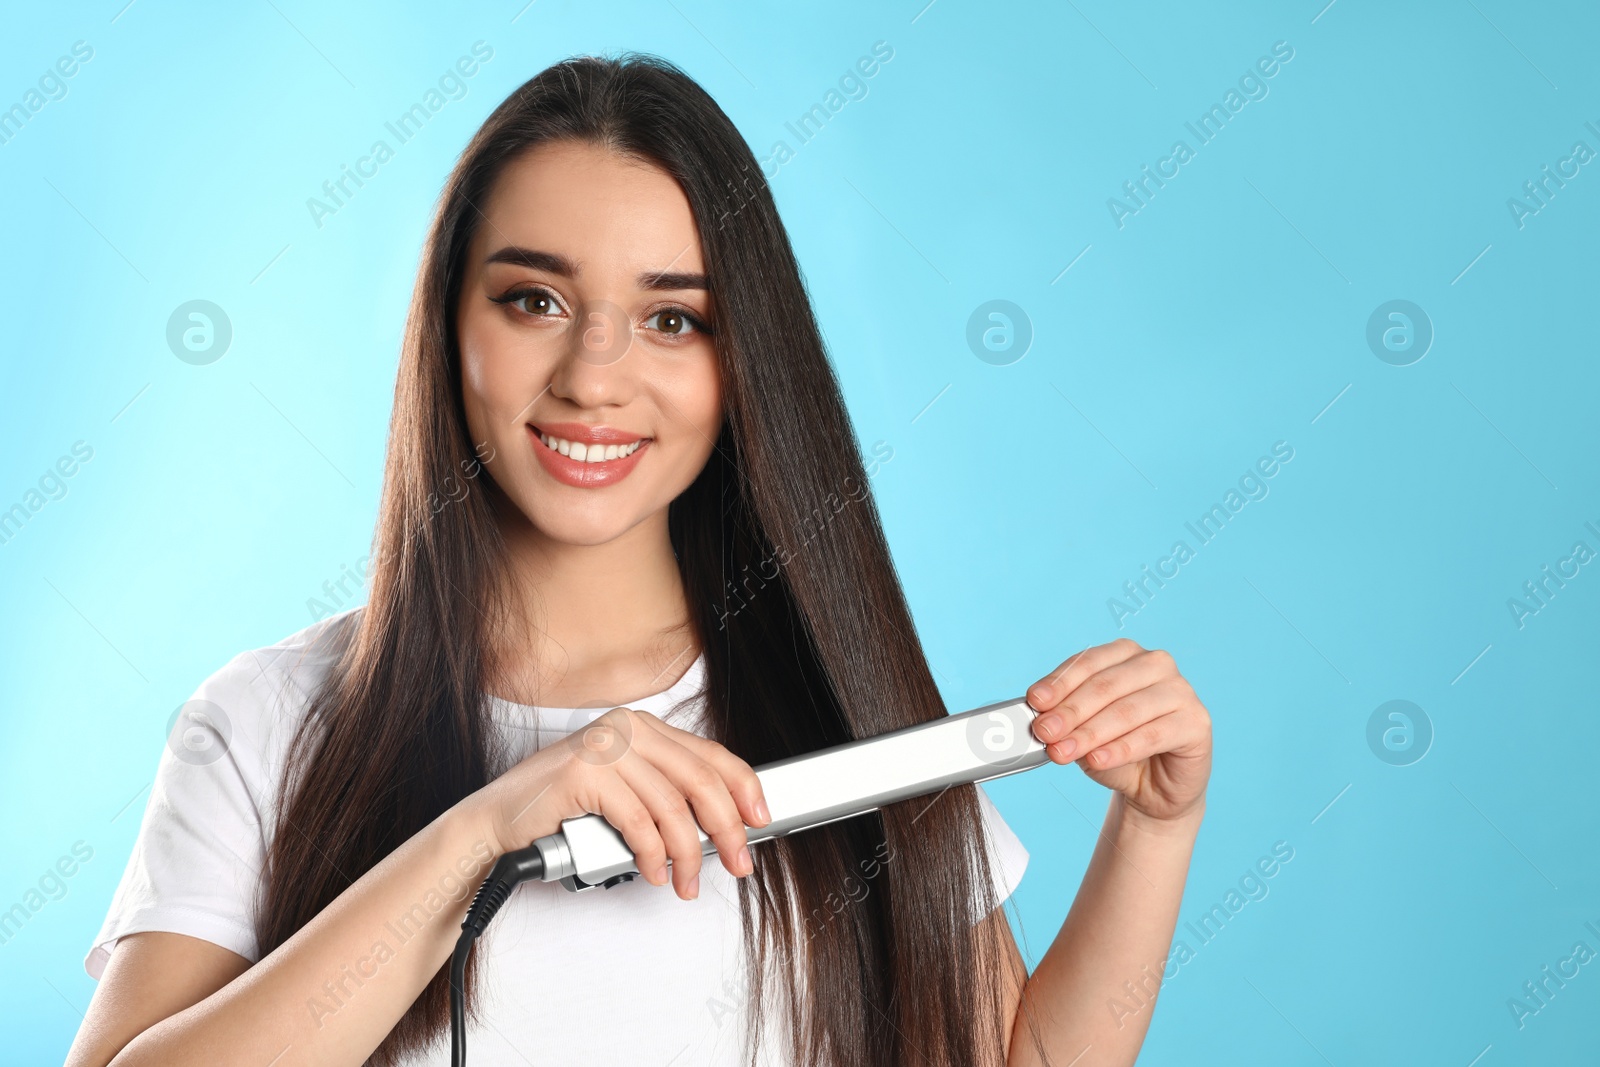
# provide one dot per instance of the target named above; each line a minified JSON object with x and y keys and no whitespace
{"x":508,"y":872}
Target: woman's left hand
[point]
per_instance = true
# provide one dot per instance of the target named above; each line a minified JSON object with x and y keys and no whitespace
{"x":1133,"y":724}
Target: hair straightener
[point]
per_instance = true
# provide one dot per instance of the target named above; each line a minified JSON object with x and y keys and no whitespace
{"x":801,"y":792}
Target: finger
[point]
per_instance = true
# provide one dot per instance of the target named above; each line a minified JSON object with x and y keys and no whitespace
{"x":1048,"y":691}
{"x":703,"y":785}
{"x":1097,"y":691}
{"x":1120,"y":717}
{"x":1172,"y":732}
{"x":744,"y":785}
{"x":674,"y":821}
{"x":620,"y":805}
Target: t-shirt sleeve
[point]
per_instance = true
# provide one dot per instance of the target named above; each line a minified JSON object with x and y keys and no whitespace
{"x":1007,"y":857}
{"x":195,"y":867}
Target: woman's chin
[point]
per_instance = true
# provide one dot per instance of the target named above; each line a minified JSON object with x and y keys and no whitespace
{"x":580,"y":526}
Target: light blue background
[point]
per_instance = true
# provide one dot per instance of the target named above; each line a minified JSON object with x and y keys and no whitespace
{"x":1229,"y":314}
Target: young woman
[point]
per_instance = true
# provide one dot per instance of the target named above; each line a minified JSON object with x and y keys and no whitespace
{"x":626,"y":552}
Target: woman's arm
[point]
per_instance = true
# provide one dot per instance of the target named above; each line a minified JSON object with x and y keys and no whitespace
{"x":320,"y":997}
{"x":150,"y":976}
{"x":1133,"y":724}
{"x":331,"y":993}
{"x":1092,"y":995}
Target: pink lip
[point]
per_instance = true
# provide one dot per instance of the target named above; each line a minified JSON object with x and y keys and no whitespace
{"x":578,"y":473}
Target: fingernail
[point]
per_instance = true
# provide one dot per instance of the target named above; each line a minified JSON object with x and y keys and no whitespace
{"x":661,"y":875}
{"x":1067,"y":748}
{"x":694,"y":887}
{"x":1049,"y":726}
{"x":1043,"y":692}
{"x":743,"y":859}
{"x":761,"y":811}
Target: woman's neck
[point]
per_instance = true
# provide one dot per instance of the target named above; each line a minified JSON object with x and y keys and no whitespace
{"x":601,"y":624}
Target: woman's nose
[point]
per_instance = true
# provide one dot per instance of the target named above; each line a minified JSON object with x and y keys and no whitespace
{"x":595,"y":368}
{"x":603,"y":334}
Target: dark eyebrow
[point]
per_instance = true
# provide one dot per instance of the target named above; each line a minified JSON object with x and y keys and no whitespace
{"x":556,"y":263}
{"x":673,"y":280}
{"x":533,"y":259}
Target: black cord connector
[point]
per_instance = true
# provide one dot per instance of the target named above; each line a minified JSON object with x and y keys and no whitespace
{"x":509,"y":871}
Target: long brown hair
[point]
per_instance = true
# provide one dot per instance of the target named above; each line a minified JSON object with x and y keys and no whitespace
{"x":805,"y":647}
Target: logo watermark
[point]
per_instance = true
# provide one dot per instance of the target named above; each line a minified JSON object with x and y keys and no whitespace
{"x":199,"y":733}
{"x":199,"y":332}
{"x":1399,"y":733}
{"x":1399,"y":332}
{"x":999,"y":332}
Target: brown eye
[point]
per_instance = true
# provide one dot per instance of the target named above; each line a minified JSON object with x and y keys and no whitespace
{"x":535,"y":303}
{"x":673,"y":323}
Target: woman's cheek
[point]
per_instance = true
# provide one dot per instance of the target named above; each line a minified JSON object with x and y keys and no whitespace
{"x":496,"y":390}
{"x":688,"y":402}
{"x":706,"y":399}
{"x":474,"y":384}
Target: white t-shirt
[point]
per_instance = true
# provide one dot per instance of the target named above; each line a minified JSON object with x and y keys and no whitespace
{"x":630,"y":974}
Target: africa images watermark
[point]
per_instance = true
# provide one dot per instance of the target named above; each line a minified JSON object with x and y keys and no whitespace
{"x":1211,"y":122}
{"x":338,"y":590}
{"x":452,"y":887}
{"x":852,"y":85}
{"x":52,"y":885}
{"x":1252,"y":486}
{"x":451,"y":85}
{"x":735,"y":993}
{"x":1539,"y":592}
{"x":739,"y":591}
{"x":1540,"y":191}
{"x":52,"y":86}
{"x":454,"y":489}
{"x":1537,"y":994}
{"x":834,"y":904}
{"x":1252,"y":886}
{"x":52,"y":485}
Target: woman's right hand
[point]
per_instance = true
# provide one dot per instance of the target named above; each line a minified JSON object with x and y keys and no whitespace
{"x":651,"y":781}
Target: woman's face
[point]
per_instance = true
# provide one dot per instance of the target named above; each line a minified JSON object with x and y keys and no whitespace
{"x":582,"y":324}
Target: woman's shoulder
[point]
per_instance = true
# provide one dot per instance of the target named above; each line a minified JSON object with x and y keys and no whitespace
{"x":302,"y":659}
{"x":196,"y":864}
{"x":260,"y":695}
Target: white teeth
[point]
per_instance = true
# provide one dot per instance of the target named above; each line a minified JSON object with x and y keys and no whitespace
{"x":587,"y":453}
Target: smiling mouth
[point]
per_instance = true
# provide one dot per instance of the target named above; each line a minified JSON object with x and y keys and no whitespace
{"x":596,"y":445}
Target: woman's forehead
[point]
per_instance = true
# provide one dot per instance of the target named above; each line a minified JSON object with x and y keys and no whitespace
{"x":604,"y":213}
